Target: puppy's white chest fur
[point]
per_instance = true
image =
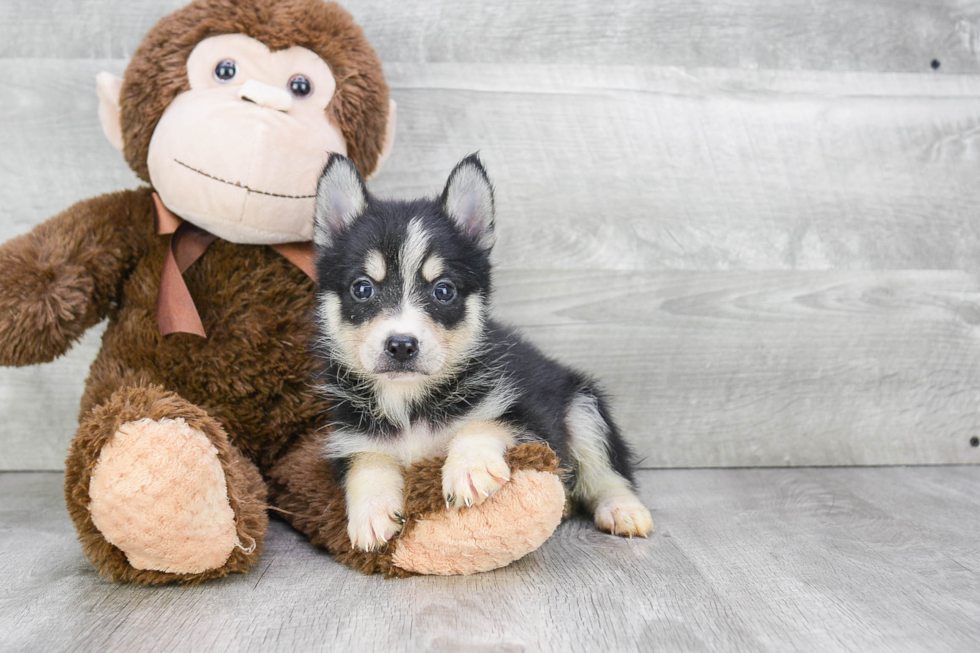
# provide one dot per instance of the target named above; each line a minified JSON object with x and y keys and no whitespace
{"x":414,"y":441}
{"x":407,"y":446}
{"x":419,"y":442}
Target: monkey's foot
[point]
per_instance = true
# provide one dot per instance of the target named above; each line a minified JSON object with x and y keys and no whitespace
{"x":159,"y":494}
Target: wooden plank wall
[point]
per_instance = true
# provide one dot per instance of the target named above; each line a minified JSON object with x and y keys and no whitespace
{"x":757,"y":222}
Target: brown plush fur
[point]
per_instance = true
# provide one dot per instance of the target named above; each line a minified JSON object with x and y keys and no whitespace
{"x":252,"y":373}
{"x":303,"y":486}
{"x":158,"y":70}
{"x":250,"y":379}
{"x":246,"y":490}
{"x":247,"y":386}
{"x":63,"y":277}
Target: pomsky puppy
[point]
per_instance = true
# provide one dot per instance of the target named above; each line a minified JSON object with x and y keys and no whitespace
{"x":417,"y":368}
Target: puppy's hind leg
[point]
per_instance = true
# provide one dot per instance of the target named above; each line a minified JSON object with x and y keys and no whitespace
{"x":603,"y":480}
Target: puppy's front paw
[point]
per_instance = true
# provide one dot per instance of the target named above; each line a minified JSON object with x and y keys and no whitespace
{"x":470,"y":479}
{"x":624,"y":515}
{"x":372,"y":522}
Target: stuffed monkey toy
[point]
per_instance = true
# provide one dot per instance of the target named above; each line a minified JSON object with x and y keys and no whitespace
{"x":199,"y":413}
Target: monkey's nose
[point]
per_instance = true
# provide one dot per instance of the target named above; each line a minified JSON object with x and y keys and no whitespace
{"x":402,"y":347}
{"x":265,"y":95}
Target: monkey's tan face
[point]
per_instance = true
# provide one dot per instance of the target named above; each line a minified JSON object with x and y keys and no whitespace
{"x":240,"y":153}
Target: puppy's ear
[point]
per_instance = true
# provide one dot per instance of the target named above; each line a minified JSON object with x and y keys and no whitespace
{"x":468,"y":201}
{"x":340,"y":198}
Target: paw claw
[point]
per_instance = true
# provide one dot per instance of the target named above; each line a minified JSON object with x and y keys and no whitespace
{"x":624,"y":515}
{"x":372,"y":524}
{"x":470,"y":480}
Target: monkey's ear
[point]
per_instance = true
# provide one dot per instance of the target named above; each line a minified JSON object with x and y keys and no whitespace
{"x":110,"y":87}
{"x":468,"y":201}
{"x":340,"y":198}
{"x":389,"y":141}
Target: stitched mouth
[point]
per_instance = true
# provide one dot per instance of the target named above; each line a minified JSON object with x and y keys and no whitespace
{"x":242,"y":186}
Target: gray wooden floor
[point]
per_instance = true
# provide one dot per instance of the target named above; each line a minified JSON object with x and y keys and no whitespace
{"x":860,"y":559}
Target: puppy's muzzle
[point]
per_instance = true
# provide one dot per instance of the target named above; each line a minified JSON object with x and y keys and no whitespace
{"x":402,"y":347}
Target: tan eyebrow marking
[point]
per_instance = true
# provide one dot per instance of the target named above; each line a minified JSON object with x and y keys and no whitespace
{"x":433,"y":267}
{"x":375,"y":266}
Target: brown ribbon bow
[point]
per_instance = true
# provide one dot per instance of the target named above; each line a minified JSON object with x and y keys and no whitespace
{"x":176,"y":312}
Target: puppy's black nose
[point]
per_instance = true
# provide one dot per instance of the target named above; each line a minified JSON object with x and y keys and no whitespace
{"x":402,"y":347}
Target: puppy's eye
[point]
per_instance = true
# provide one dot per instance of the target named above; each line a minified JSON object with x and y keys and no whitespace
{"x":300,"y":86}
{"x":444,"y":292}
{"x":362,"y":290}
{"x":225,"y":70}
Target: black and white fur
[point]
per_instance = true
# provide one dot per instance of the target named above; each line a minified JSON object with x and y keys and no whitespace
{"x":417,"y":368}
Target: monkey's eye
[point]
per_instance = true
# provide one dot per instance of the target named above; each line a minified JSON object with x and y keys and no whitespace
{"x":362,"y":289}
{"x":225,"y":70}
{"x":300,"y":86}
{"x":444,"y":292}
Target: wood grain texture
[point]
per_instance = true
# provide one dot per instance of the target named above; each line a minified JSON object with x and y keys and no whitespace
{"x":619,"y":168}
{"x":705,"y":368}
{"x":631,"y":168}
{"x":39,"y":405}
{"x":750,"y":560}
{"x":770,"y":368}
{"x":721,"y":160}
{"x":868,"y":35}
{"x":52,"y":151}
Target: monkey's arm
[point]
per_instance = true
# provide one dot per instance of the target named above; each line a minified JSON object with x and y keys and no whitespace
{"x":60,"y":279}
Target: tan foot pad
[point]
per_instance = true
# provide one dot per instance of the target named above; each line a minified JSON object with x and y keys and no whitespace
{"x":158,"y":493}
{"x":501,"y":530}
